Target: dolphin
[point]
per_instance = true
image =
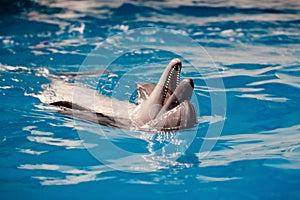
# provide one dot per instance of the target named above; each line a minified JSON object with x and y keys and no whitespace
{"x":164,"y":106}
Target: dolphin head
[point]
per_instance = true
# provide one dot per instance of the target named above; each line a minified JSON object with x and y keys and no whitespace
{"x":177,"y":112}
{"x":167,"y":104}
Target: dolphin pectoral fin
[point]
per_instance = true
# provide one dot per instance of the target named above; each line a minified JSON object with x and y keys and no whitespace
{"x":144,"y":90}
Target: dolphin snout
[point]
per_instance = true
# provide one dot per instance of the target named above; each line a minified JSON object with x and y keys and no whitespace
{"x":189,"y":81}
{"x":175,"y":63}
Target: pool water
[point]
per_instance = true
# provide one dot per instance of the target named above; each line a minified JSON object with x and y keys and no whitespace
{"x":251,"y":49}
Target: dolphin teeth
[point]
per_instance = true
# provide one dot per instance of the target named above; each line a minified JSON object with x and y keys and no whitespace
{"x":167,"y":85}
{"x":168,"y":82}
{"x":177,"y":78}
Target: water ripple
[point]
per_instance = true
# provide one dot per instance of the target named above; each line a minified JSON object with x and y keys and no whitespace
{"x":67,"y":175}
{"x":280,"y":143}
{"x":255,"y":45}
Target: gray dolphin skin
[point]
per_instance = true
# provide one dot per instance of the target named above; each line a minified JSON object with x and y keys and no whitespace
{"x":163,"y":106}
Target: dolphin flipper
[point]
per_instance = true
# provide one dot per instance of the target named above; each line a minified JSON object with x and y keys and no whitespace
{"x":144,"y":90}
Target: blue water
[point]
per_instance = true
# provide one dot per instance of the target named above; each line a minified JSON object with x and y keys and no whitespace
{"x":253,"y":48}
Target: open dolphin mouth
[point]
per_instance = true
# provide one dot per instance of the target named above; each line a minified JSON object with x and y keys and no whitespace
{"x":174,"y":91}
{"x":182,"y":92}
{"x":177,"y":111}
{"x":173,"y":78}
{"x":169,"y":99}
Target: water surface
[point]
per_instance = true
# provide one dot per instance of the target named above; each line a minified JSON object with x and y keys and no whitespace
{"x":255,"y":48}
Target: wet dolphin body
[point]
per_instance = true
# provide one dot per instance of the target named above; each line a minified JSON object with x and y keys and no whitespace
{"x":163,"y":106}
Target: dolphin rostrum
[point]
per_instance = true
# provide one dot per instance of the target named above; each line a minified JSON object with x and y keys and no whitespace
{"x":162,"y":107}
